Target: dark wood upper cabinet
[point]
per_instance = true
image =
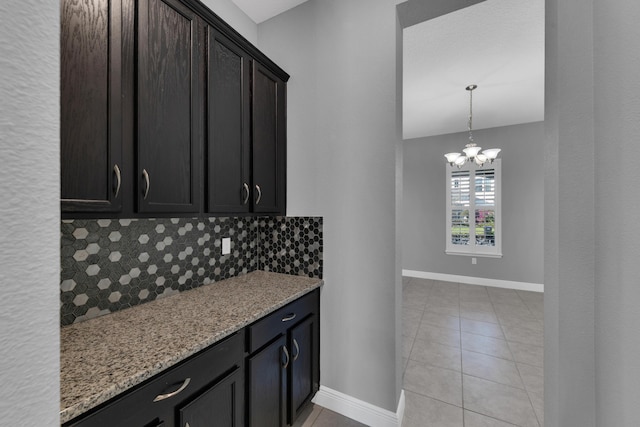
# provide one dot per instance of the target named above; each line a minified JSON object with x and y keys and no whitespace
{"x":268,"y":141}
{"x":90,"y":104}
{"x":229,"y":121}
{"x":166,"y":110}
{"x":169,"y":107}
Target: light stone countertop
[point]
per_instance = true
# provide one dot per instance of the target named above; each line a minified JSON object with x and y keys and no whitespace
{"x":102,"y":357}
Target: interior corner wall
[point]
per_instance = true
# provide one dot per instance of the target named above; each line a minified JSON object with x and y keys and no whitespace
{"x":30,"y":211}
{"x":424,"y":207}
{"x":342,"y":165}
{"x":234,"y":16}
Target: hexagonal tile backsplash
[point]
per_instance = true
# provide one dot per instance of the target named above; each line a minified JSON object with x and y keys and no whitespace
{"x":111,"y":264}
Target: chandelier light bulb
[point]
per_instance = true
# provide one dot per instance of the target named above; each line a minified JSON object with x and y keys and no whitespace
{"x":491,"y":153}
{"x":451,"y":157}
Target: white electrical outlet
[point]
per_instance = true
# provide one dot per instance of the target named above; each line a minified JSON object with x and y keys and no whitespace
{"x":226,"y":245}
{"x":474,"y":261}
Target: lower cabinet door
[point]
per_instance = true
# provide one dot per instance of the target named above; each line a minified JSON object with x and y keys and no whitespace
{"x":267,"y":386}
{"x":221,"y":405}
{"x":304,"y":374}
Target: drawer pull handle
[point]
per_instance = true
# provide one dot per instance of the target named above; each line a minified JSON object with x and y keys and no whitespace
{"x":173,"y":393}
{"x":295,"y":344}
{"x":286,"y":355}
{"x":289,"y":317}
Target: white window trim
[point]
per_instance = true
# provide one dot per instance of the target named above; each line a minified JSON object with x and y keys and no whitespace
{"x":472,"y":249}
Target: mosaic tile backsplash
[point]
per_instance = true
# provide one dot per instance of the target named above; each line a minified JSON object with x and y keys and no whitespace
{"x":109,"y":265}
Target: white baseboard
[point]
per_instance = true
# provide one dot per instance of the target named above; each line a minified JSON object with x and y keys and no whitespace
{"x":507,"y":284}
{"x":359,"y":410}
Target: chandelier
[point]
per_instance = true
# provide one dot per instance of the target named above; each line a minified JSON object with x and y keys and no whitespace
{"x":472,"y":151}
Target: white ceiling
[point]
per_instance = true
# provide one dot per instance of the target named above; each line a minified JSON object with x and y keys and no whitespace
{"x":496,"y":44}
{"x":261,"y":10}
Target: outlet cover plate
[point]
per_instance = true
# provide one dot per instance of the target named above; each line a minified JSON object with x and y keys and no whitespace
{"x":226,"y":245}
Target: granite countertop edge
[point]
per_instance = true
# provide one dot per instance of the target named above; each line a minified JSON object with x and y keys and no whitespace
{"x":103,"y":394}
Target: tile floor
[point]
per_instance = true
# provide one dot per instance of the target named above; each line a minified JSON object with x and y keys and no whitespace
{"x":472,"y":355}
{"x":472,"y":358}
{"x":317,"y":416}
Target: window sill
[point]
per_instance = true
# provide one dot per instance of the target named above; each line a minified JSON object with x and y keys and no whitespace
{"x":473,"y":254}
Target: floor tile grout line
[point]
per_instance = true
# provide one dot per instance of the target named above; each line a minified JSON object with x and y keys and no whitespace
{"x":511,"y":351}
{"x":492,"y":417}
{"x":461,"y":361}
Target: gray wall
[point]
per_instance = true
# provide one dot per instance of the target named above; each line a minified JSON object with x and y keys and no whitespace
{"x":30,"y":212}
{"x":592,"y":180}
{"x":232,"y":15}
{"x":617,"y":252}
{"x":342,"y":139}
{"x":424,"y":208}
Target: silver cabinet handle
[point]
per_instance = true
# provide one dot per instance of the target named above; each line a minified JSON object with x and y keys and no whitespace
{"x":289,"y":317}
{"x":173,"y":393}
{"x":187,"y":425}
{"x":147,"y":183}
{"x":295,"y":344}
{"x":116,"y":171}
{"x":259,"y":194}
{"x":246,"y":193}
{"x":286,"y":354}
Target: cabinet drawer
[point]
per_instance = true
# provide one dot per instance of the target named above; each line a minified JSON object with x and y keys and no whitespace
{"x":268,"y":328}
{"x":153,"y":402}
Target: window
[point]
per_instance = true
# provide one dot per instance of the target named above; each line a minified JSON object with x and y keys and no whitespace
{"x":473,"y":210}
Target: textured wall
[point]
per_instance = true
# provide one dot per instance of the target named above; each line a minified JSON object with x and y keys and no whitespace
{"x":342,"y":166}
{"x":29,"y":206}
{"x":424,"y":210}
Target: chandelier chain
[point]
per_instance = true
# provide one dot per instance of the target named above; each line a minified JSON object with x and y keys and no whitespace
{"x":471,"y":116}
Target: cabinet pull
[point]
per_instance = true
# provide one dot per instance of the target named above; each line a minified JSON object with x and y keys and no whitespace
{"x":289,"y":317}
{"x":295,"y":344}
{"x":116,"y":171}
{"x":173,"y":393}
{"x":187,"y":425}
{"x":147,"y":183}
{"x":259,"y":194}
{"x":246,"y":193}
{"x":286,"y":355}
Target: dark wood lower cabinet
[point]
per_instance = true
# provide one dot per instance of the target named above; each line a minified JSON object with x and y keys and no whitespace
{"x":220,"y":405}
{"x":304,"y":371}
{"x":208,"y":386}
{"x":262,"y":376}
{"x":267,"y":385}
{"x":283,"y":376}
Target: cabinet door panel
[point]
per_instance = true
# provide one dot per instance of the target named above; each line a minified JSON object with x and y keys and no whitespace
{"x":304,"y":376}
{"x":90,"y":106}
{"x":219,"y":406}
{"x":267,"y":386}
{"x":168,"y":107}
{"x":229,"y":126}
{"x":269,"y":142}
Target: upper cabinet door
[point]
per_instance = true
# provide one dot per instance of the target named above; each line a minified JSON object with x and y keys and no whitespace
{"x":90,"y":83}
{"x":269,"y":142}
{"x":169,"y":107}
{"x":229,"y":126}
